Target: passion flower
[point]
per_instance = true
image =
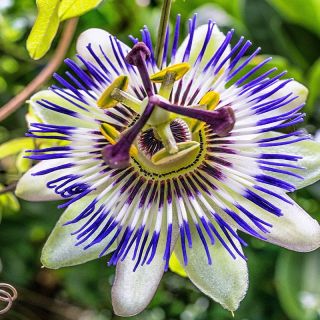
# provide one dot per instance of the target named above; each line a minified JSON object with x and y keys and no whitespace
{"x":166,"y":160}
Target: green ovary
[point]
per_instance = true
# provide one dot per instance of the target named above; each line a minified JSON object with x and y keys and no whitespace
{"x":184,"y":161}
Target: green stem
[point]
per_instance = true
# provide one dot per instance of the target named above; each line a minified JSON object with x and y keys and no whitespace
{"x":165,"y":14}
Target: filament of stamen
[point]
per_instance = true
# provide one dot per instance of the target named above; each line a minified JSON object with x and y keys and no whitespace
{"x":167,"y":85}
{"x":106,"y":100}
{"x":126,"y":99}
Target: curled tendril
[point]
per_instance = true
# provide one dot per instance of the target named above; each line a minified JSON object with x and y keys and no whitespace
{"x":7,"y":295}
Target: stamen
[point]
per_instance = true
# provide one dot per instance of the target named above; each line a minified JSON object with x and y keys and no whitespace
{"x":137,"y":57}
{"x":106,"y":100}
{"x":167,"y":85}
{"x":222,"y":120}
{"x":118,"y":155}
{"x":112,"y":135}
{"x":179,"y":71}
{"x":168,"y":76}
{"x":126,"y":99}
{"x":109,"y":132}
{"x":211,"y":100}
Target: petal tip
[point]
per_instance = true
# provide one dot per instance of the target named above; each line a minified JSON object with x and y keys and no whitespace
{"x":23,"y":191}
{"x":123,"y":304}
{"x":33,"y":188}
{"x":232,"y":304}
{"x":312,"y":241}
{"x":94,"y":36}
{"x":124,"y":311}
{"x":47,"y":260}
{"x":296,"y":230}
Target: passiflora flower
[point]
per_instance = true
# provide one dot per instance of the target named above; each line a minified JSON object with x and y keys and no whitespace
{"x":176,"y":159}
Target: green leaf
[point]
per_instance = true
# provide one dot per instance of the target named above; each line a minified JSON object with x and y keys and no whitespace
{"x":23,"y":164}
{"x":233,"y":7}
{"x":8,"y":203}
{"x":75,"y":8}
{"x":306,"y":14}
{"x":44,"y":28}
{"x":297,"y":279}
{"x":15,"y":146}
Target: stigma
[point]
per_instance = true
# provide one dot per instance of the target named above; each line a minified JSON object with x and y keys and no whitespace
{"x":156,"y":114}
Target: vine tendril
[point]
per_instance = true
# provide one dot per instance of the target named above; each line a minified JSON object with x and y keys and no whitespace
{"x":8,"y":294}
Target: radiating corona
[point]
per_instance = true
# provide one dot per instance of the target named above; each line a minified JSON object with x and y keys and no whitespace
{"x":176,"y":158}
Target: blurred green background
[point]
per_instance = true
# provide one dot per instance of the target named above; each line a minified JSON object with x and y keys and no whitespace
{"x":283,"y":285}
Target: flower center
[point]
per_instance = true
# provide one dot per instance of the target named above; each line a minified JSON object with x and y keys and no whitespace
{"x":162,"y":166}
{"x":149,"y":141}
{"x":159,"y":134}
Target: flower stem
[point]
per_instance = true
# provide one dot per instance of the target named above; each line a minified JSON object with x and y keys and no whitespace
{"x":165,"y":14}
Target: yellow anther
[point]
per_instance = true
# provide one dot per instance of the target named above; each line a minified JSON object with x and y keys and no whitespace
{"x":133,"y":151}
{"x":179,"y":70}
{"x":106,"y":101}
{"x":112,"y":134}
{"x":126,"y":99}
{"x":109,"y":132}
{"x":210,"y":100}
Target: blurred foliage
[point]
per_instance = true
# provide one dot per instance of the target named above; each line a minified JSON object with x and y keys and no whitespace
{"x":46,"y":25}
{"x":297,"y":287}
{"x":288,"y":289}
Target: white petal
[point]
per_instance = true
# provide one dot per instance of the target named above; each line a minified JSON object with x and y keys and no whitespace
{"x":310,"y":152}
{"x":296,"y":88}
{"x":293,"y":88}
{"x":133,"y":291}
{"x":34,"y":188}
{"x":295,"y":230}
{"x":98,"y":37}
{"x":57,"y":118}
{"x":216,"y":39}
{"x":225,"y":280}
{"x":60,"y":250}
